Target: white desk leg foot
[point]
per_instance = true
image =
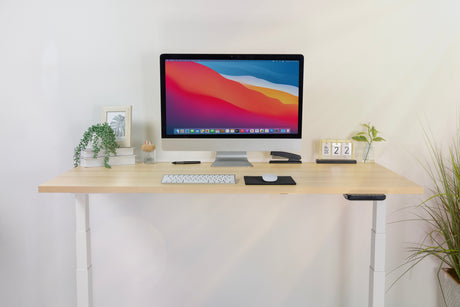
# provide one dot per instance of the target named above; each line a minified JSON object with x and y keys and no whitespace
{"x":83,"y":248}
{"x":377,"y":266}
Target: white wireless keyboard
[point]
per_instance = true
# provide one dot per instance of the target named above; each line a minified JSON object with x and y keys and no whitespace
{"x":199,"y":178}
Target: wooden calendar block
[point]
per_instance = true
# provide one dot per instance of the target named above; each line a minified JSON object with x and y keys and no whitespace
{"x":336,"y":149}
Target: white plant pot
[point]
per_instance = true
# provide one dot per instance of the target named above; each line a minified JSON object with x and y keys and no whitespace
{"x":451,"y":289}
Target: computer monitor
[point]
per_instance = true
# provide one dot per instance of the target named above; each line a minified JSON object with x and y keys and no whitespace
{"x":231,"y":104}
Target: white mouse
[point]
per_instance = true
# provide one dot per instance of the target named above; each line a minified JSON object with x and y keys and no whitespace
{"x":269,"y":178}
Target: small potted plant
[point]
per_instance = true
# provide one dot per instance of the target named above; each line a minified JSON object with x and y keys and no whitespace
{"x":369,"y":136}
{"x":99,"y":138}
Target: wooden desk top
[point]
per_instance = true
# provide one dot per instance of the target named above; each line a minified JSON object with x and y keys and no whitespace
{"x":311,"y":178}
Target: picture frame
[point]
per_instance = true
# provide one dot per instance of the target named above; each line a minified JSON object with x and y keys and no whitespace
{"x":120,"y":120}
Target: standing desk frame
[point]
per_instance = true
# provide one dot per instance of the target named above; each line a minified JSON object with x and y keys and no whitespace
{"x":363,"y":181}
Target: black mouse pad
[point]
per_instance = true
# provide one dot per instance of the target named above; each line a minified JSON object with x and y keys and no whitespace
{"x":257,"y":180}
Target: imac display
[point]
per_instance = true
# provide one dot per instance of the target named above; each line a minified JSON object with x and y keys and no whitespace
{"x":231,"y":103}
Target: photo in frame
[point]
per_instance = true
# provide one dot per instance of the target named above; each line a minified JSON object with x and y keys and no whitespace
{"x":119,"y":119}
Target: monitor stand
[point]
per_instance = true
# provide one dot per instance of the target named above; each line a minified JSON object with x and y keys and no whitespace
{"x":231,"y":158}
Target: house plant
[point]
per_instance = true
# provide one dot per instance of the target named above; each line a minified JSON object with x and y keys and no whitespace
{"x":369,"y":136}
{"x":97,"y":137}
{"x":441,"y":213}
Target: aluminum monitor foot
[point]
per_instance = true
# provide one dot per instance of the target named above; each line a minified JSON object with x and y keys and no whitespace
{"x":231,"y":159}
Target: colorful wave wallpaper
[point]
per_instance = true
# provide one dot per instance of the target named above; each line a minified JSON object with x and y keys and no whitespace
{"x":247,"y":94}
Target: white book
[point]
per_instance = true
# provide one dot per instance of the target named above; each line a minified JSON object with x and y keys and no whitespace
{"x":115,"y":160}
{"x":123,"y":151}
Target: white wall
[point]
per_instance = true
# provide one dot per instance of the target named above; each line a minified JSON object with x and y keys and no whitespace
{"x":389,"y":62}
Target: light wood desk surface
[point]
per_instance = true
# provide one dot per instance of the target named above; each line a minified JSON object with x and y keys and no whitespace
{"x":311,"y":178}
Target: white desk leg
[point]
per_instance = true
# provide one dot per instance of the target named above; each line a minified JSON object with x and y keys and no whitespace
{"x":83,"y":248}
{"x":377,"y":266}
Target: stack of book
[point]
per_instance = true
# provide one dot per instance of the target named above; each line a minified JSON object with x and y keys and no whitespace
{"x":125,"y":156}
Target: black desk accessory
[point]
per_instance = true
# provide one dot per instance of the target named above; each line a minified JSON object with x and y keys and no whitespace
{"x":335,"y":161}
{"x":186,"y":162}
{"x":378,"y":197}
{"x":291,"y":158}
{"x":257,"y":180}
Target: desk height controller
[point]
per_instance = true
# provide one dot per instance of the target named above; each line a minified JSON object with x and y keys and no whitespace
{"x":368,"y":197}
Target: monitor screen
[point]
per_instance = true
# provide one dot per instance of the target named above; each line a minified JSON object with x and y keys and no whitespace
{"x":231,"y":96}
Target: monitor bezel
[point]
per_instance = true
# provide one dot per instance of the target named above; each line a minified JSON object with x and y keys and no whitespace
{"x":203,"y":56}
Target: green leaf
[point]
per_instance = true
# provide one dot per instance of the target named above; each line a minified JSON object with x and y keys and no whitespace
{"x":374,"y":132}
{"x":379,"y":139}
{"x":360,"y":138}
